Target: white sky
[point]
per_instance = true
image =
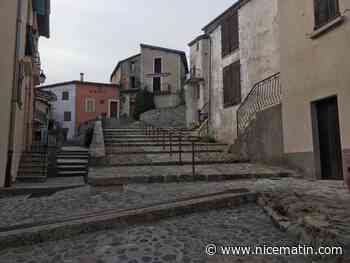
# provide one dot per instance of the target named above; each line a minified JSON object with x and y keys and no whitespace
{"x":92,"y":36}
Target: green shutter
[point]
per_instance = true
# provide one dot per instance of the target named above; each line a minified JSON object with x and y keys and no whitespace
{"x":39,"y":7}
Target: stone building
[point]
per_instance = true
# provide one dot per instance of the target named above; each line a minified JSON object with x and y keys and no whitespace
{"x":161,"y":71}
{"x":315,"y":62}
{"x":23,"y":22}
{"x":197,"y":86}
{"x":79,"y":102}
{"x":127,"y":75}
{"x":243,"y":49}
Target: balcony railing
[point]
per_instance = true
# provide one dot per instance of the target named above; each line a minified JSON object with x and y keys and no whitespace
{"x":265,"y":94}
{"x":166,"y":90}
{"x":195,"y":74}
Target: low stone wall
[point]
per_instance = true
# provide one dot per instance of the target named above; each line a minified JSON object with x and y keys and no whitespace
{"x":167,"y":117}
{"x":263,"y":139}
{"x":97,"y":147}
{"x":166,"y":101}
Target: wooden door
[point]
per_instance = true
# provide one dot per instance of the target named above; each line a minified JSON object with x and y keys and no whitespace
{"x":156,"y":85}
{"x":114,"y":107}
{"x":329,"y":139}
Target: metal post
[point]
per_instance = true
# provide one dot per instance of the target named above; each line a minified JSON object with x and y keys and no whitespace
{"x":171,"y":143}
{"x":193,"y":160}
{"x":180,"y":148}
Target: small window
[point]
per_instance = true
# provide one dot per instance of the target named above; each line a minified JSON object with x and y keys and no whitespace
{"x":325,"y":11}
{"x":102,"y":102}
{"x":232,"y":85}
{"x":90,"y":105}
{"x":197,"y":46}
{"x":230,"y":33}
{"x":133,"y":82}
{"x":67,"y":116}
{"x":65,"y":95}
{"x":157,"y":65}
{"x":132,"y":67}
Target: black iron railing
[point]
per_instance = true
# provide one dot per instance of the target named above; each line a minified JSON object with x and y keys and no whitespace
{"x":203,"y":113}
{"x":264,"y":94}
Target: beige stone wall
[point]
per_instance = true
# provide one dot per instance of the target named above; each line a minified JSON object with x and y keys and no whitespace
{"x":8,"y":10}
{"x":312,"y":69}
{"x":171,"y":63}
{"x":259,"y":57}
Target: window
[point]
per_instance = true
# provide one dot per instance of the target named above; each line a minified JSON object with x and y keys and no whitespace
{"x":90,"y":105}
{"x":197,"y":46}
{"x":102,"y":102}
{"x":230,"y":33}
{"x":325,"y":11}
{"x":132,"y":82}
{"x":65,"y":95}
{"x":67,"y":116}
{"x":232,"y":85}
{"x":158,"y":65}
{"x":132,"y":67}
{"x":156,"y":85}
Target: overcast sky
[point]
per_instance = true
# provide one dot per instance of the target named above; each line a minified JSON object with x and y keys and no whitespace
{"x":92,"y":36}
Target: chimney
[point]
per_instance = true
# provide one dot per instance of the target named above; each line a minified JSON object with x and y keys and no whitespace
{"x":82,"y":77}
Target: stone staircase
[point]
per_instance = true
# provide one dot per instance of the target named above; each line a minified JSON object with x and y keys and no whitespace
{"x":73,"y":161}
{"x":33,"y":167}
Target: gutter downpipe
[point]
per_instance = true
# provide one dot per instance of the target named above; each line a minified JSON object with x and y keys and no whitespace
{"x":210,"y":84}
{"x":8,"y":177}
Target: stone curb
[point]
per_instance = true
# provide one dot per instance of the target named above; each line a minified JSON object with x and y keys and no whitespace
{"x":306,"y":233}
{"x":35,"y":190}
{"x":118,"y":219}
{"x":113,"y":180}
{"x":173,"y":163}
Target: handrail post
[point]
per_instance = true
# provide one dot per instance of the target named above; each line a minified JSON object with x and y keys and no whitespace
{"x":164,"y":134}
{"x":193,"y":160}
{"x":170,"y":143}
{"x":180,"y":148}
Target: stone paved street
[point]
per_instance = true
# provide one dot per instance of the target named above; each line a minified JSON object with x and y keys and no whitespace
{"x":180,"y":240}
{"x":22,"y":209}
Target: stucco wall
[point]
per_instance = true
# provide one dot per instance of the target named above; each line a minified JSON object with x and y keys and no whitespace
{"x":7,"y":49}
{"x":102,"y":96}
{"x":171,"y":63}
{"x":259,"y":57}
{"x":60,"y":106}
{"x":312,"y":69}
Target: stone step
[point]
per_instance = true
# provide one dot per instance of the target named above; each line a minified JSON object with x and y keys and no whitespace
{"x":31,"y":179}
{"x":72,"y":161}
{"x":74,"y":153}
{"x":72,"y":167}
{"x":72,"y":173}
{"x":116,"y":152}
{"x":72,"y":157}
{"x":156,"y":144}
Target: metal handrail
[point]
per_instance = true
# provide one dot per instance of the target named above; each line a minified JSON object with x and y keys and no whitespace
{"x":264,"y":94}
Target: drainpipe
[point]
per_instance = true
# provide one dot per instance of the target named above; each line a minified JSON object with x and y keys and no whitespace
{"x":8,"y":177}
{"x":210,"y":79}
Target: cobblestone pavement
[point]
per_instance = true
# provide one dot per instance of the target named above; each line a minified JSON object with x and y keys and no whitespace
{"x":324,"y":204}
{"x":22,"y":209}
{"x":180,"y":240}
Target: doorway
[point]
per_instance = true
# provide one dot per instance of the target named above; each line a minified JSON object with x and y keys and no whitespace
{"x":114,"y":109}
{"x":156,"y":85}
{"x":327,"y":134}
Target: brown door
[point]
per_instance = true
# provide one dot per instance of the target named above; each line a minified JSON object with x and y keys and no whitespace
{"x":329,"y":139}
{"x":132,"y":108}
{"x":156,"y":85}
{"x":114,"y":109}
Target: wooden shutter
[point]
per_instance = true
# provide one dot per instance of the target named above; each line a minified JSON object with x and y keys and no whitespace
{"x":232,"y":85}
{"x":325,"y":11}
{"x":230,"y":33}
